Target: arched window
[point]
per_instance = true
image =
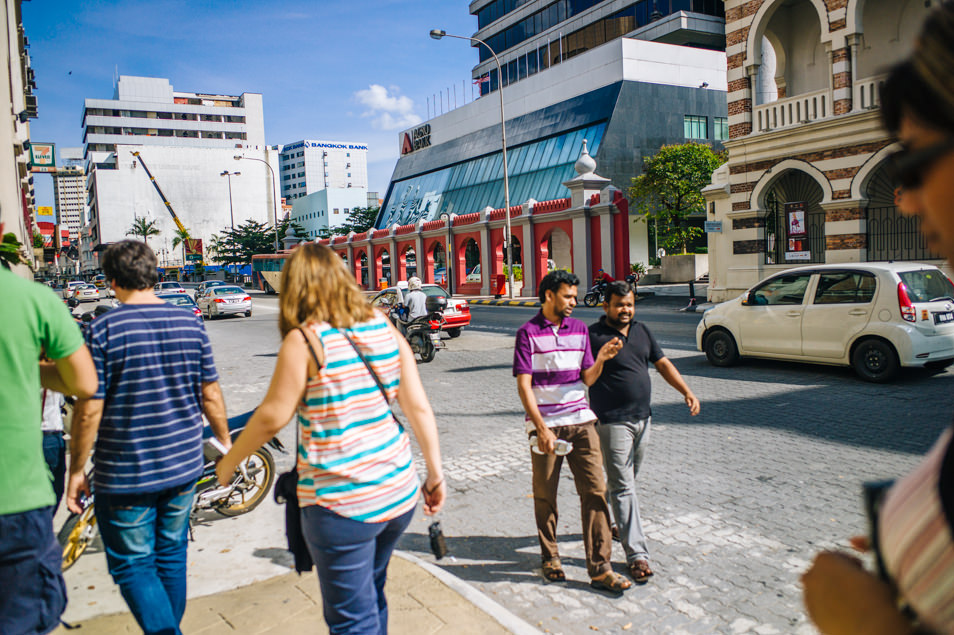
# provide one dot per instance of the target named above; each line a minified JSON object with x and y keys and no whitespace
{"x":794,"y":187}
{"x":891,"y":235}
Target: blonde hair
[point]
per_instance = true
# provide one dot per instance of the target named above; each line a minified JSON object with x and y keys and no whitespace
{"x":317,"y":287}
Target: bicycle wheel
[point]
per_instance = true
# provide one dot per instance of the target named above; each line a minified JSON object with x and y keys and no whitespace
{"x":76,"y":534}
{"x":249,"y":492}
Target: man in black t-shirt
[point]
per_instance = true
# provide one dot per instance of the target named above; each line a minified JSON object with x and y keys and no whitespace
{"x":620,"y":398}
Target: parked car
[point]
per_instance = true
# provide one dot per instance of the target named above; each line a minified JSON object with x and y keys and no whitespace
{"x":456,"y":315}
{"x":168,"y":287}
{"x":70,"y":289}
{"x":874,"y":317}
{"x":99,"y":281}
{"x":86,"y":293}
{"x":474,"y":275}
{"x":180,"y":299}
{"x":225,"y":300}
{"x":208,"y":284}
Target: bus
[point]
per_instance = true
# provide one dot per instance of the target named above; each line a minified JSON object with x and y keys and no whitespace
{"x":267,"y":271}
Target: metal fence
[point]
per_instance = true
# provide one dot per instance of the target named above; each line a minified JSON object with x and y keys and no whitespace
{"x":893,"y":236}
{"x":775,"y":239}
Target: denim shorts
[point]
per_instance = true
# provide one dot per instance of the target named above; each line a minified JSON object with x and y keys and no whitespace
{"x":34,"y":594}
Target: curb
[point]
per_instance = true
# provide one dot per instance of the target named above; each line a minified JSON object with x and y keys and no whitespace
{"x":533,"y":303}
{"x":500,"y":614}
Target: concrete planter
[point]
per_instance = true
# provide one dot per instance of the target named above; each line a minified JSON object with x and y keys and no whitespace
{"x":684,"y":268}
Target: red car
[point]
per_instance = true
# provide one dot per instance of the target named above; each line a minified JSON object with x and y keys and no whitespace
{"x":456,"y":315}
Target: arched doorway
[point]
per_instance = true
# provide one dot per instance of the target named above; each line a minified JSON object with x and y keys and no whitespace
{"x":791,"y":191}
{"x":471,"y":252}
{"x":439,"y":270}
{"x":409,"y":262}
{"x":792,"y":56}
{"x":892,"y":235}
{"x":559,"y":250}
{"x":363,"y":261}
{"x":386,"y":266}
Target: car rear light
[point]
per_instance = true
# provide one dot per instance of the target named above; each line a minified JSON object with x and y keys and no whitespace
{"x":196,"y":310}
{"x":908,"y":312}
{"x":247,"y":298}
{"x":219,"y":301}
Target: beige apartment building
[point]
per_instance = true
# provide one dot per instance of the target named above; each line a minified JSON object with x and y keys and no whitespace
{"x":804,"y":134}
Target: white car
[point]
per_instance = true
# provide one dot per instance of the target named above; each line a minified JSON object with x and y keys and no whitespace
{"x":456,"y":315}
{"x":86,"y":293}
{"x":874,"y":317}
{"x":474,"y":275}
{"x":225,"y":300}
{"x":70,"y":289}
{"x":170,"y":286}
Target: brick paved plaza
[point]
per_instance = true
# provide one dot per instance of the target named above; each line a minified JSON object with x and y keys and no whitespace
{"x":734,"y":502}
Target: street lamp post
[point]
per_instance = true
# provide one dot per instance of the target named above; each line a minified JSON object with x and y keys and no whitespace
{"x":447,"y":253}
{"x":238,"y":157}
{"x":508,"y":239}
{"x":229,"y":176}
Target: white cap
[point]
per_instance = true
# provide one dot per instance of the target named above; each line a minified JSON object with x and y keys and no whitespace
{"x":413,"y":284}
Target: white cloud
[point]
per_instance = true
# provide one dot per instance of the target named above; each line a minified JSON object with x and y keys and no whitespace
{"x":387,"y":109}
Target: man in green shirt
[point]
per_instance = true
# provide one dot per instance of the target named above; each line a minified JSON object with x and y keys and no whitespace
{"x":34,"y":320}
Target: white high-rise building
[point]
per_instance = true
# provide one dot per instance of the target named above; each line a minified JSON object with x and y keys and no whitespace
{"x":310,"y":166}
{"x":69,"y":191}
{"x":188,"y":142}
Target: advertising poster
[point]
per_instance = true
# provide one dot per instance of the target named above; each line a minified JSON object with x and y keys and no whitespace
{"x":193,"y":249}
{"x":796,"y":232}
{"x":42,"y":157}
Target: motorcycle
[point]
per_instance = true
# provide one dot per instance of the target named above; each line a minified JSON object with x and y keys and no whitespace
{"x":423,"y":334}
{"x":245,"y":492}
{"x":597,"y":293}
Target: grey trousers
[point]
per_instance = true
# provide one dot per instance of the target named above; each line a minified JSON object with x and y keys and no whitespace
{"x":623,"y":444}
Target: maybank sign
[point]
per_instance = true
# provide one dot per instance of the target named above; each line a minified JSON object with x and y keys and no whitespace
{"x":321,"y":144}
{"x":416,"y":139}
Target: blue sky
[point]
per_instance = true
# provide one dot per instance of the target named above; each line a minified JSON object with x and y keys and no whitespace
{"x":353,"y":70}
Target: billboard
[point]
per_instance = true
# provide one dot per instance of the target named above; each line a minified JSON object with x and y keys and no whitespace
{"x":193,"y":250}
{"x":42,"y":157}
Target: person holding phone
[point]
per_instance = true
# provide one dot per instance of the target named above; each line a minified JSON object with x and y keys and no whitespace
{"x":914,"y":524}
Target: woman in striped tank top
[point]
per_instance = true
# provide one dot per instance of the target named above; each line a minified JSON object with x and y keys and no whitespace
{"x":357,"y":486}
{"x":915,"y":525}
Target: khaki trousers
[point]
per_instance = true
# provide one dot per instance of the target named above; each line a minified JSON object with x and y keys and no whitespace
{"x":586,"y":463}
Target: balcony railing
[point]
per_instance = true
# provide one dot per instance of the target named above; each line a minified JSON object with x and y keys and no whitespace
{"x":868,"y":92}
{"x":793,"y":111}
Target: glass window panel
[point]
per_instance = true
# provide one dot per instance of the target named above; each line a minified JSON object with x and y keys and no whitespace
{"x":533,"y":157}
{"x":532,"y":62}
{"x":522,"y":67}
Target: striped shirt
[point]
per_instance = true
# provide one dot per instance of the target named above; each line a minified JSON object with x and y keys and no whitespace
{"x":354,"y":459}
{"x":152,"y":360}
{"x":916,"y":539}
{"x":554,"y":358}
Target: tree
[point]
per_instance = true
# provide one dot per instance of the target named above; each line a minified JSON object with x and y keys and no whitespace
{"x":237,"y":246}
{"x":12,"y":252}
{"x":360,"y":219}
{"x":670,"y":190}
{"x":212,"y":249}
{"x":143,"y":228}
{"x":283,"y":226}
{"x":38,"y":241}
{"x":180,"y":238}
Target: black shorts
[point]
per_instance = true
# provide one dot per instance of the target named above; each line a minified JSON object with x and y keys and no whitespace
{"x":34,"y":594}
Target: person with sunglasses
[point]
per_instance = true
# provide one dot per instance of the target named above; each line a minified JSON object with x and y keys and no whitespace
{"x":913,"y":523}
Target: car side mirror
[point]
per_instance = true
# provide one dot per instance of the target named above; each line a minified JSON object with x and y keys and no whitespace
{"x":747,"y":298}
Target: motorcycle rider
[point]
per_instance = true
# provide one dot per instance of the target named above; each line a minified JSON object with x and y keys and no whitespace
{"x":415,"y":300}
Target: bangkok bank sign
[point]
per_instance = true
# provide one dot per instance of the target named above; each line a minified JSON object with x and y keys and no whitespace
{"x":416,"y":139}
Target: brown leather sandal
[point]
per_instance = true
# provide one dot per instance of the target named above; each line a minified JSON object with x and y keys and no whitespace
{"x":612,"y":582}
{"x":641,"y":571}
{"x":553,"y":571}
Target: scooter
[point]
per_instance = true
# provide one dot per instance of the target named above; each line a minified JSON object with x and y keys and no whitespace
{"x":424,"y":333}
{"x":597,"y":293}
{"x":245,"y":492}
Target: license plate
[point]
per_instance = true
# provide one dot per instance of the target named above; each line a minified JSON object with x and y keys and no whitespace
{"x":435,"y":337}
{"x":233,"y":301}
{"x":944,"y":318}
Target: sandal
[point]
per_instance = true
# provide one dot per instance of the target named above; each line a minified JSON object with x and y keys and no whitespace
{"x":640,"y":571}
{"x":553,"y":571}
{"x":612,"y":582}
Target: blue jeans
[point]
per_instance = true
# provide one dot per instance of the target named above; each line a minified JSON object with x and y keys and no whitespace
{"x":54,"y":452}
{"x":352,"y":561}
{"x":34,"y":594}
{"x":146,"y":537}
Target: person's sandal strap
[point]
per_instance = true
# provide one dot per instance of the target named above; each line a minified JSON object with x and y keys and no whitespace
{"x":640,"y":571}
{"x":612,"y":582}
{"x":553,"y":571}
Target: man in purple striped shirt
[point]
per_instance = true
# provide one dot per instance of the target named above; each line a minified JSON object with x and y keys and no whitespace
{"x":553,"y":365}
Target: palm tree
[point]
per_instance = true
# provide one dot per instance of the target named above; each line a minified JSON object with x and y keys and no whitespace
{"x":180,"y":238}
{"x":212,"y":249}
{"x":143,"y":227}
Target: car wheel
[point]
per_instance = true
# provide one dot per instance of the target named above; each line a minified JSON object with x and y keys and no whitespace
{"x":875,"y":360}
{"x":721,"y":349}
{"x":939,"y":365}
{"x":248,"y":313}
{"x":454,"y":332}
{"x":208,"y":313}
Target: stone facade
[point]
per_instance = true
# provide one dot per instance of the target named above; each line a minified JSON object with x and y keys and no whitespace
{"x":803,"y":81}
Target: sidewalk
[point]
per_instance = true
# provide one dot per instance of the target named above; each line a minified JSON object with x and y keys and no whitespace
{"x":421,"y":599}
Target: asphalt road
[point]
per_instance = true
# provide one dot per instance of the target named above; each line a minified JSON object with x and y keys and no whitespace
{"x":735,"y":501}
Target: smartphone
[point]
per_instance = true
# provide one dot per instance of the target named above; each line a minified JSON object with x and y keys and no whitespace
{"x":873,"y":493}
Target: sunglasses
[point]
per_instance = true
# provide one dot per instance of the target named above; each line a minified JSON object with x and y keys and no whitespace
{"x":909,"y":167}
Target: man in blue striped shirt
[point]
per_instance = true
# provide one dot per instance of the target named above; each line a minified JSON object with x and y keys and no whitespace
{"x":156,"y":379}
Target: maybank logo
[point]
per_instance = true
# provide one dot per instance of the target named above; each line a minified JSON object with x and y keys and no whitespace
{"x":416,"y":139}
